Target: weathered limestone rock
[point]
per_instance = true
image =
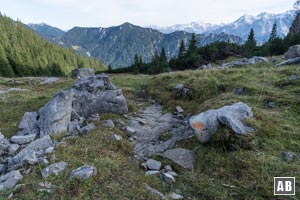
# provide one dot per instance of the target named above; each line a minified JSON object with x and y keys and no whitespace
{"x":82,"y":72}
{"x":55,"y":116}
{"x":20,"y":139}
{"x":182,"y":157}
{"x":84,"y":172}
{"x":28,"y":154}
{"x":9,"y":180}
{"x":87,"y":128}
{"x":292,"y":61}
{"x":293,"y":52}
{"x":13,"y":148}
{"x":108,"y":123}
{"x":96,"y":94}
{"x":54,"y":169}
{"x":28,"y":124}
{"x":206,"y":124}
{"x":233,"y":117}
{"x":153,"y":164}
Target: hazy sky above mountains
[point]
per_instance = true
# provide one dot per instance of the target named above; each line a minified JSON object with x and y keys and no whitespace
{"x":66,"y":14}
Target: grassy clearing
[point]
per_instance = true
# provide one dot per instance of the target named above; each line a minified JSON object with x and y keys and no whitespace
{"x":229,"y":167}
{"x":247,"y":163}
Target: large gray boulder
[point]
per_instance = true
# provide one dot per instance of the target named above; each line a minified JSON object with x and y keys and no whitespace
{"x":67,"y":110}
{"x":54,"y":169}
{"x":82,"y":72}
{"x":233,"y":117}
{"x":55,"y":116}
{"x":292,"y":61}
{"x":84,"y":172}
{"x":28,"y":124}
{"x":9,"y":180}
{"x":206,"y":124}
{"x":293,"y":52}
{"x":96,"y":94}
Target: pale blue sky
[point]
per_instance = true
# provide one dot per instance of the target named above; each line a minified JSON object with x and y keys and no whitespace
{"x":66,"y":14}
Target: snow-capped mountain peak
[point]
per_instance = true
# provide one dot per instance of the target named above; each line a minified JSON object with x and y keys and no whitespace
{"x":261,"y":23}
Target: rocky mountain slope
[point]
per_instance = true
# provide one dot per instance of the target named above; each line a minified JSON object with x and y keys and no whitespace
{"x":117,"y":45}
{"x":46,"y":31}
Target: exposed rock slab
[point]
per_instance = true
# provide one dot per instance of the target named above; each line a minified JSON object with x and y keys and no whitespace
{"x":293,"y":52}
{"x":182,"y":157}
{"x":54,"y":169}
{"x":9,"y":180}
{"x":244,"y":61}
{"x":292,"y":61}
{"x":149,"y":136}
{"x":84,"y":172}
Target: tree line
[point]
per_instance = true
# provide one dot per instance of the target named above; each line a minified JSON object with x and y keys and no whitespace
{"x":190,"y":56}
{"x":23,"y":53}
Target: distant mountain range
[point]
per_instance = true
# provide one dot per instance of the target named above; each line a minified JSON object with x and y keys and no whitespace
{"x":117,"y":45}
{"x":262,"y":25}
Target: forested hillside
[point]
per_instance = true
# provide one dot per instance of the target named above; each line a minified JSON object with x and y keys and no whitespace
{"x":23,"y":53}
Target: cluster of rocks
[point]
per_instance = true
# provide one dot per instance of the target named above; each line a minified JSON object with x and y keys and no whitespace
{"x":251,"y":61}
{"x":206,"y":123}
{"x":292,"y":56}
{"x":3,"y":91}
{"x":290,"y":156}
{"x":154,"y":167}
{"x":181,"y":90}
{"x":65,"y":113}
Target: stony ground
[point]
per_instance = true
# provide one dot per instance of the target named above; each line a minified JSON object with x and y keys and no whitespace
{"x":228,"y":167}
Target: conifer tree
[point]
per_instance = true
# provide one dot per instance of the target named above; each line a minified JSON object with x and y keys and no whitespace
{"x":192,"y":48}
{"x":182,"y":50}
{"x":273,"y":34}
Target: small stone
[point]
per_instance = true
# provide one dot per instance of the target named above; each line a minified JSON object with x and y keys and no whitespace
{"x":239,"y":91}
{"x":49,"y":150}
{"x":168,"y":178}
{"x":43,"y":161}
{"x":54,"y":169}
{"x":20,"y":139}
{"x":142,"y":122}
{"x":271,"y":104}
{"x":13,"y":148}
{"x":172,"y":173}
{"x":131,"y":139}
{"x":131,"y":131}
{"x":179,"y":109}
{"x":144,"y":166}
{"x":87,"y":128}
{"x":30,"y":158}
{"x":108,"y":124}
{"x":84,"y":172}
{"x":152,"y":172}
{"x":294,"y":77}
{"x":288,"y":156}
{"x":168,"y":168}
{"x":153,"y":164}
{"x":117,"y":137}
{"x":174,"y":195}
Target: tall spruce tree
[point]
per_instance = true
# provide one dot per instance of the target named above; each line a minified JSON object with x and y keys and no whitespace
{"x":192,"y":48}
{"x":182,"y":50}
{"x":273,"y":34}
{"x":250,"y":44}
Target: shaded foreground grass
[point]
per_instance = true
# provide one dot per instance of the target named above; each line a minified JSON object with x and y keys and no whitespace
{"x":229,"y":167}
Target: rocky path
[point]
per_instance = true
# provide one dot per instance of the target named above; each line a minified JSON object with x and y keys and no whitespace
{"x":156,"y":133}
